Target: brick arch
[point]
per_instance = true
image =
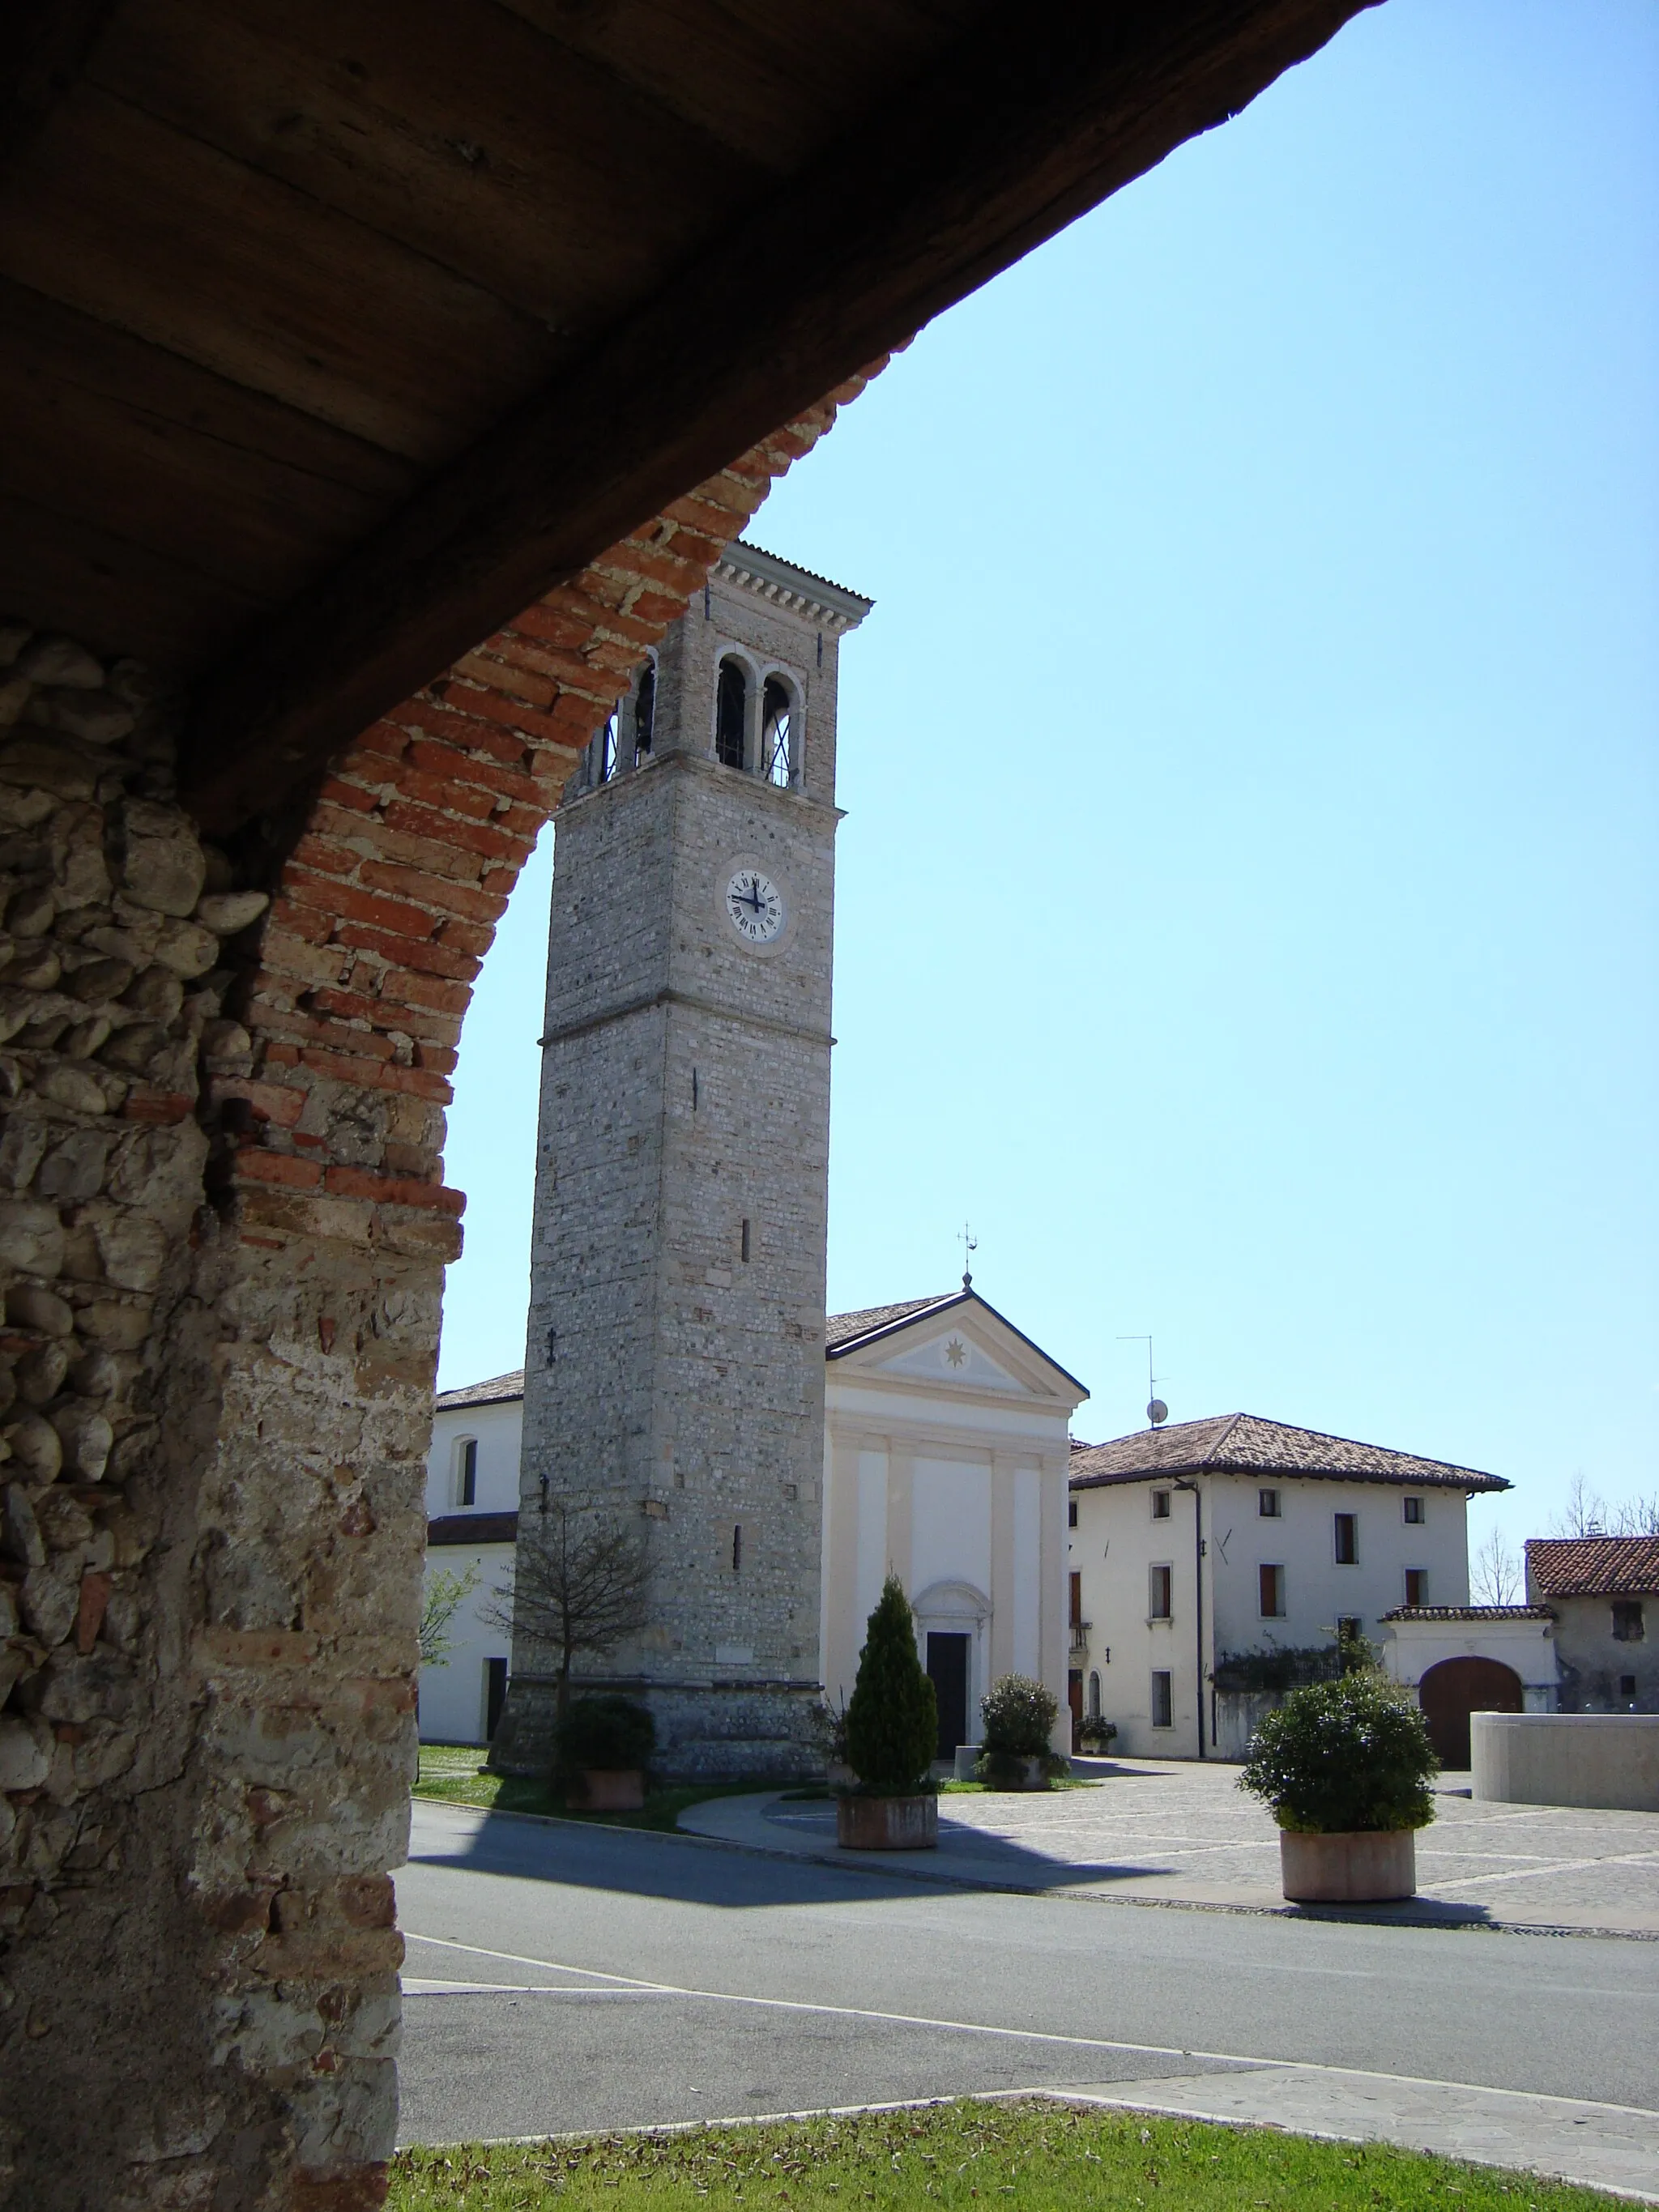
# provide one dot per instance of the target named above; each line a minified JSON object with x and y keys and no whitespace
{"x":325,"y":1115}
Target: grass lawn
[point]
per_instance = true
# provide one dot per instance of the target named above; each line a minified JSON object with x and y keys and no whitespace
{"x":1038,"y":2156}
{"x":450,"y":1771}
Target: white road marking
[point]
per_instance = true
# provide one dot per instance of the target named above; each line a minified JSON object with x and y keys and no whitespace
{"x":1231,"y":2058}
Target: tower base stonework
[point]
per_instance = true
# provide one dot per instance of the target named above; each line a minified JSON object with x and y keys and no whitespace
{"x":706,"y":1732}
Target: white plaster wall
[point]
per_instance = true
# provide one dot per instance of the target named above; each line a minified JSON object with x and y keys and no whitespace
{"x":1113,"y":1547}
{"x":1303,"y":1541}
{"x":1117,"y":1541}
{"x":453,"y":1692}
{"x":949,"y":1524}
{"x":499,"y":1430}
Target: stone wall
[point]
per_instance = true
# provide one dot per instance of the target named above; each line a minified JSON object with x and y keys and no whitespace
{"x":222,"y":1233}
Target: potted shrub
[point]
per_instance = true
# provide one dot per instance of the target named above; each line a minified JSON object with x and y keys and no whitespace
{"x":892,"y":1727}
{"x":1019,"y":1716}
{"x":602,"y":1748}
{"x":1094,"y":1735}
{"x":1343,"y":1767}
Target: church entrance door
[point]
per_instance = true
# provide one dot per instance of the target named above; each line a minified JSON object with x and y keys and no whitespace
{"x":947,"y":1669}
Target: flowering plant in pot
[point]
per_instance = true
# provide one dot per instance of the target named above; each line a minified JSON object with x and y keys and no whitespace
{"x":892,"y":1729}
{"x":601,"y":1750}
{"x":1343,"y":1767}
{"x":1095,"y":1734}
{"x":1019,"y":1716}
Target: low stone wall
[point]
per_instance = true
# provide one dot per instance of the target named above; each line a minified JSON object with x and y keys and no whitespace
{"x":723,"y":1732}
{"x":1609,"y":1761}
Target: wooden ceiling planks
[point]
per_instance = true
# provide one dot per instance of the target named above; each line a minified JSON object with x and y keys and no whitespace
{"x":150,"y":230}
{"x":1033,"y":121}
{"x":332,"y":332}
{"x":127,"y":438}
{"x":452,"y":127}
{"x":775,"y":83}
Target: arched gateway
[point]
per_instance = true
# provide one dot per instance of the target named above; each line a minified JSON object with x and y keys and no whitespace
{"x":1450,"y":1692}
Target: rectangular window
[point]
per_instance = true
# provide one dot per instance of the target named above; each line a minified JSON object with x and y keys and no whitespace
{"x":466,"y":1472}
{"x":1345,"y":1532}
{"x":1348,"y":1626}
{"x":1627,"y":1623}
{"x":1163,"y":1701}
{"x":1162,"y":1593}
{"x":1414,"y":1511}
{"x":1627,"y":1685}
{"x":1271,"y":1581}
{"x":1160,"y":1505}
{"x":1266,"y":1504}
{"x":1076,"y":1582}
{"x":745,"y":1244}
{"x":1071,"y":1513}
{"x":1417,"y":1585}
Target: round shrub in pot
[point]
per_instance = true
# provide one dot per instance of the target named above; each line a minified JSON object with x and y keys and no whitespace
{"x":1019,"y":1716}
{"x":892,"y":1730}
{"x":1343,"y":1767}
{"x":602,"y":1748}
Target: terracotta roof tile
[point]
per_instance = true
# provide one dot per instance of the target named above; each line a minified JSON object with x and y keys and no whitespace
{"x":1593,"y":1566}
{"x":1469,"y":1613}
{"x":1245,"y":1444}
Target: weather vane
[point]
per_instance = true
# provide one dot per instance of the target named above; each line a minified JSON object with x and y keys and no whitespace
{"x":1157,"y":1411}
{"x":970,"y":1244}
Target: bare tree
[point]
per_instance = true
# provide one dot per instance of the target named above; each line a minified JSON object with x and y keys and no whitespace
{"x":1495,"y":1571}
{"x":1588,"y":1513}
{"x":580,"y":1584}
{"x":1636,"y":1517}
{"x":1585,"y":1513}
{"x":444,"y":1593}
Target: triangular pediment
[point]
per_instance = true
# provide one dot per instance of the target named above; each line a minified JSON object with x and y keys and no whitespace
{"x":960,"y":1345}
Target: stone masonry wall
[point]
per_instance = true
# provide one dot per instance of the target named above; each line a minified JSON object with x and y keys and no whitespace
{"x":223,"y":1235}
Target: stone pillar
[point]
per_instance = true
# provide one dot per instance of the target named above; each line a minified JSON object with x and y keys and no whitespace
{"x":223,"y":1236}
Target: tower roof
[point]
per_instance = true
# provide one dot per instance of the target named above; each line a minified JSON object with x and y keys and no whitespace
{"x":799,"y":589}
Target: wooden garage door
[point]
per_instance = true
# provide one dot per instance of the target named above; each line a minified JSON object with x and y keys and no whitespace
{"x":1450,"y":1692}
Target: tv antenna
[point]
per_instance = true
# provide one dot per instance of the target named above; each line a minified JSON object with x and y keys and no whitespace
{"x":1157,"y":1411}
{"x":970,"y":1244}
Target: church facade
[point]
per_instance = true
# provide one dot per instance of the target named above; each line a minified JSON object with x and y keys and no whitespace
{"x":945,"y":1461}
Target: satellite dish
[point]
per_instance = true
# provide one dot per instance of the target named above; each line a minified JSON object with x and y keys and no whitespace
{"x":1157,"y":1413}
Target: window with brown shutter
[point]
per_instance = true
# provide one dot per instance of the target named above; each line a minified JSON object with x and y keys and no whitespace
{"x":1271,"y":1581}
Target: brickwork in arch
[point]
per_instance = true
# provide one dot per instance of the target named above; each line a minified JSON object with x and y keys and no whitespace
{"x":222,"y":1233}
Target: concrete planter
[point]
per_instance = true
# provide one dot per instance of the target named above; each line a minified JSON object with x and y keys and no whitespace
{"x":888,"y":1823}
{"x":608,"y":1790}
{"x":1360,"y":1867}
{"x":1019,"y":1773}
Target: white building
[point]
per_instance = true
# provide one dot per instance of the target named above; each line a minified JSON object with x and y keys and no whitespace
{"x":1235,"y":1539}
{"x":946,"y":1453}
{"x":472,"y":1522}
{"x":946,"y":1457}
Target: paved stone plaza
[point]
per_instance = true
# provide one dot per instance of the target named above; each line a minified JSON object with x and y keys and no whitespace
{"x":1175,"y":1832}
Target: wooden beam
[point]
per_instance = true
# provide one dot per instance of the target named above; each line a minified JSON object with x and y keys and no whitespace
{"x":1038,"y":115}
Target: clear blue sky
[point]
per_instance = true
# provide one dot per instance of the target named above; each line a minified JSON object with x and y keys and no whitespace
{"x":1247,"y":909}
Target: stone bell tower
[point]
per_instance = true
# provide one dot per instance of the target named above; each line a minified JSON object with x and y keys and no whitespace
{"x":674,"y":1363}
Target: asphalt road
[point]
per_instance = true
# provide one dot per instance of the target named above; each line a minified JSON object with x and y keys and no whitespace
{"x":562,"y":1977}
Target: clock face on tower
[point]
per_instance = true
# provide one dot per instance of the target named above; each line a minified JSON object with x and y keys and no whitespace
{"x":755,"y":907}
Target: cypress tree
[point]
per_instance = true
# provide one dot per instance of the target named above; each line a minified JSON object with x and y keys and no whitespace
{"x":892,"y":1717}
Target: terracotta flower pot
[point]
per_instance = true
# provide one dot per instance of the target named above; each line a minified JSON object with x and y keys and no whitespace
{"x":608,"y":1790}
{"x":1357,"y":1867}
{"x":888,"y":1823}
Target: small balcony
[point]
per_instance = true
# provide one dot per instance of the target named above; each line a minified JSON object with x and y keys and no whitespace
{"x":1079,"y":1643}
